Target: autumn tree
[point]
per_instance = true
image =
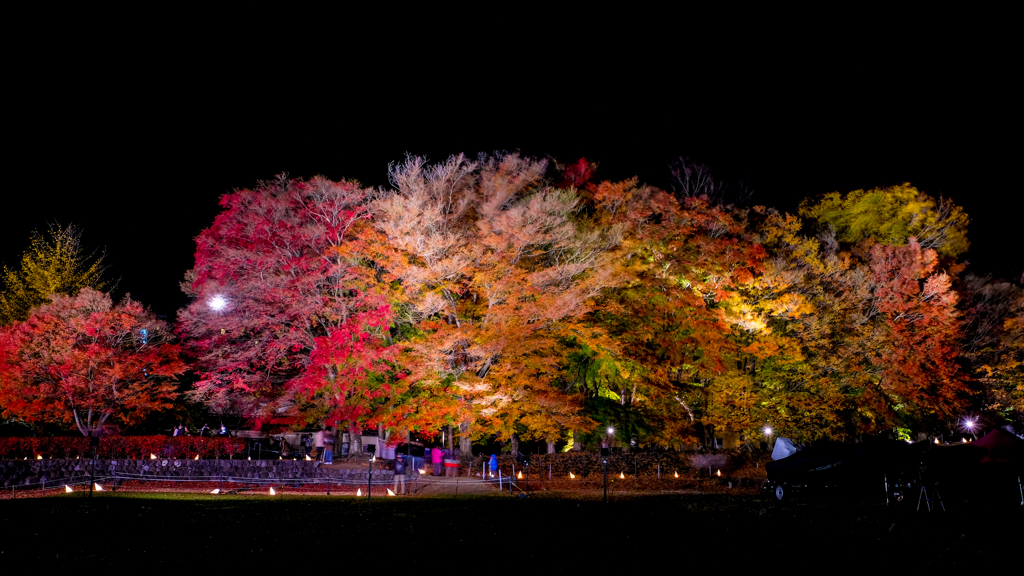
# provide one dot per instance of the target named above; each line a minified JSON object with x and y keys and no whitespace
{"x":892,"y":216}
{"x":672,"y":320}
{"x":83,"y":360}
{"x":54,"y":263}
{"x":876,"y":327}
{"x":494,"y":267}
{"x":288,"y":321}
{"x":994,"y":344}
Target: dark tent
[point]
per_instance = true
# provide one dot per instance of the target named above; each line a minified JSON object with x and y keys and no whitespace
{"x":1002,"y":447}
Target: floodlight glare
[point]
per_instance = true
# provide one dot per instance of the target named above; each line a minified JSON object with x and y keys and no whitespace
{"x":218,"y":303}
{"x":969,"y":423}
{"x":611,"y":430}
{"x":767,"y":430}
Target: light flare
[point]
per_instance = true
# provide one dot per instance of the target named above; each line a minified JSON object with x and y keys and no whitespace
{"x":68,"y":489}
{"x":217,"y":303}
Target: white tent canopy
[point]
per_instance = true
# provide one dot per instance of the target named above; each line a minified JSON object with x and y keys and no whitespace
{"x":784,"y":447}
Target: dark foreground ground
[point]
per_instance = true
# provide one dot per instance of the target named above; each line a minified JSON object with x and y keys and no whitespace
{"x":678,"y":533}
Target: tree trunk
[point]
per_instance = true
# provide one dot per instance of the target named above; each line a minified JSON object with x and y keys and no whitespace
{"x":465,"y":444}
{"x":514,"y":441}
{"x":355,"y":443}
{"x":577,"y":443}
{"x":382,"y":439}
{"x":551,"y":446}
{"x":448,"y":436}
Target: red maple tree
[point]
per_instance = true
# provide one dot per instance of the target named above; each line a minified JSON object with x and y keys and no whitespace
{"x":288,"y":321}
{"x":83,"y":360}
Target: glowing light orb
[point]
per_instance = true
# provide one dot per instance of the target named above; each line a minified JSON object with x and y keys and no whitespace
{"x":767,"y":430}
{"x":969,"y":424}
{"x":217,"y":303}
{"x":611,"y":430}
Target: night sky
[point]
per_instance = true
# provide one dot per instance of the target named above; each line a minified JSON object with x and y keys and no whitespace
{"x":135,"y":143}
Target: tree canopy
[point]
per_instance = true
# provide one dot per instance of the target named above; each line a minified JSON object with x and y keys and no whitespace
{"x":82,"y":361}
{"x":54,"y":263}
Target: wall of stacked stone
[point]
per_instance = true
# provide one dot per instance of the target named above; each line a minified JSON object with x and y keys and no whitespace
{"x":64,"y":471}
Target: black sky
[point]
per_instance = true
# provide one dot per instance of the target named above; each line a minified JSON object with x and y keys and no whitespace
{"x":135,"y":139}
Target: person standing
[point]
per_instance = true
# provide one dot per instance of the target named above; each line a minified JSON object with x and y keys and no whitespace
{"x":329,"y":446}
{"x":318,"y":444}
{"x":494,"y":466}
{"x":399,"y":474}
{"x":437,"y":459}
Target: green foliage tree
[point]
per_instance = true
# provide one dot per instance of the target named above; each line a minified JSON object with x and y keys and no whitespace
{"x":54,"y":263}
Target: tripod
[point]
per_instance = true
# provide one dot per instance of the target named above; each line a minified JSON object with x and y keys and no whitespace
{"x":924,"y":492}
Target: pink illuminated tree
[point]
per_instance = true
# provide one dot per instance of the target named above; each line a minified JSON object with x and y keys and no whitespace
{"x":288,"y":321}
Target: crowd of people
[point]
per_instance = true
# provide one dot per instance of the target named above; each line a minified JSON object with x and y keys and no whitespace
{"x":182,"y":430}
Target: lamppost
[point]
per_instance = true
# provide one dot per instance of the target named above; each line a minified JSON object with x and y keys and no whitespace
{"x":604,"y":459}
{"x":371,"y":448}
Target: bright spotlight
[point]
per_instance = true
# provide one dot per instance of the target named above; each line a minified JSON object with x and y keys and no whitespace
{"x":969,"y":424}
{"x":217,"y":303}
{"x":767,"y":430}
{"x":611,"y":430}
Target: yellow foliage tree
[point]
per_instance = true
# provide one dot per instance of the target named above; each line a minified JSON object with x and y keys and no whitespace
{"x":891,"y":216}
{"x":55,"y":263}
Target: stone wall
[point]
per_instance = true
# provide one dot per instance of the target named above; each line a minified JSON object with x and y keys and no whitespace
{"x":61,"y":471}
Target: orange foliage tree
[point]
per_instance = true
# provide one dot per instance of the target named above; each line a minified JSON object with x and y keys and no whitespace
{"x":672,"y":321}
{"x":493,"y":268}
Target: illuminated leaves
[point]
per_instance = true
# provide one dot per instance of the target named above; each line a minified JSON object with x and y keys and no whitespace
{"x":82,"y":360}
{"x":53,"y":264}
{"x":306,"y":320}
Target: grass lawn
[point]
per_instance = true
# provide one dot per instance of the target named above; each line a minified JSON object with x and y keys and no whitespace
{"x":548,"y":531}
